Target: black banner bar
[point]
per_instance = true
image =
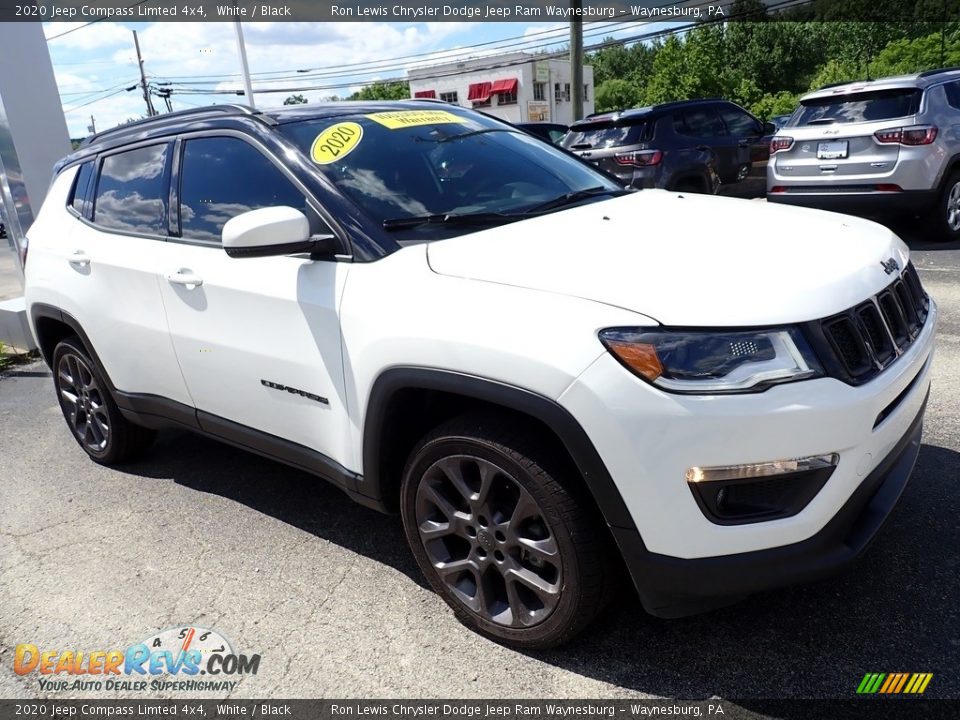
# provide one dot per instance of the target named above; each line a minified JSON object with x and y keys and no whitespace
{"x":471,"y":709}
{"x":687,"y":11}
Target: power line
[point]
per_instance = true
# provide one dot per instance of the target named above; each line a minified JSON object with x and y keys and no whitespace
{"x":92,"y":22}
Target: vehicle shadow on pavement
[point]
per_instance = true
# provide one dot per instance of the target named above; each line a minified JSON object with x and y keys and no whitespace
{"x":289,"y":495}
{"x":895,"y":609}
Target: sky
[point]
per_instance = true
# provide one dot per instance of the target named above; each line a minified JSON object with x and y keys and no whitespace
{"x":95,"y":63}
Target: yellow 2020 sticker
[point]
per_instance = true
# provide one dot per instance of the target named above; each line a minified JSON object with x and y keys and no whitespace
{"x":413,"y":118}
{"x":336,"y":142}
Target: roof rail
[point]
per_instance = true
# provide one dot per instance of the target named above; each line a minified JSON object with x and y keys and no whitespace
{"x":931,"y":73}
{"x":228,"y":109}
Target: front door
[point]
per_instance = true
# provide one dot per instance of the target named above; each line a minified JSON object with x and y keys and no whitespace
{"x":258,"y":339}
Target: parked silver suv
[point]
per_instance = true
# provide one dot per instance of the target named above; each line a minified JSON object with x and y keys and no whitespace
{"x":889,"y":146}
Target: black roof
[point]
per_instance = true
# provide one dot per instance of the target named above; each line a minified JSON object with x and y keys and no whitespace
{"x":219,"y":116}
{"x":648,"y":112}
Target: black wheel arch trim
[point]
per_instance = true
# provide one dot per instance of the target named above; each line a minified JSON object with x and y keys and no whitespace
{"x":550,"y":413}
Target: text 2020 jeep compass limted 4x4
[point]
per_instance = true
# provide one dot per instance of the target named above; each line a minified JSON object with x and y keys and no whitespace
{"x":547,"y":376}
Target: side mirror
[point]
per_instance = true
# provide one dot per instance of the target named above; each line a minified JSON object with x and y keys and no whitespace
{"x":769,"y":128}
{"x":269,"y":231}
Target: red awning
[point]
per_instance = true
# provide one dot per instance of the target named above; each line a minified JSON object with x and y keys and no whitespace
{"x":479,"y":92}
{"x":504,"y":86}
{"x":425,"y":94}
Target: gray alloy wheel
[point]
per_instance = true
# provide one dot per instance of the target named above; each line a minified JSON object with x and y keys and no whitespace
{"x":505,"y":531}
{"x":489,"y":541}
{"x":83,"y":403}
{"x":953,"y":208}
{"x":89,"y":409}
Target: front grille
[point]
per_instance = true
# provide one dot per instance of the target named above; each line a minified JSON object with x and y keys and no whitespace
{"x":858,"y":344}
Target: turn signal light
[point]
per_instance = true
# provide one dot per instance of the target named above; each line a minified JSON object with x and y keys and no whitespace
{"x":639,"y":158}
{"x":780,"y":142}
{"x":639,"y":357}
{"x":916,"y":135}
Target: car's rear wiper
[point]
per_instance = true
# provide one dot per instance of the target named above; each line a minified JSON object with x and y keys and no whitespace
{"x":477,"y":218}
{"x":576,"y":196}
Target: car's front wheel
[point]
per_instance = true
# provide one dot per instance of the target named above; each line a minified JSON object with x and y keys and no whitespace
{"x":500,"y":534}
{"x":90,"y":411}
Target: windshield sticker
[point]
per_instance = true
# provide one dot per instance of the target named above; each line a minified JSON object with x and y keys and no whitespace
{"x":336,"y":142}
{"x":413,"y":118}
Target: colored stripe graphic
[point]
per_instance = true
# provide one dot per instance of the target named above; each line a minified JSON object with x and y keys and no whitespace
{"x":894,"y":683}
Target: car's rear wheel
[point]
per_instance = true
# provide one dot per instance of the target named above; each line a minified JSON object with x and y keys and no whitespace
{"x":947,"y":215}
{"x":502,"y":538}
{"x":89,"y":409}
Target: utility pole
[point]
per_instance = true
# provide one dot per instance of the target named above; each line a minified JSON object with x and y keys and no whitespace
{"x":93,"y":126}
{"x":576,"y":58}
{"x":244,"y":68}
{"x":143,"y":78}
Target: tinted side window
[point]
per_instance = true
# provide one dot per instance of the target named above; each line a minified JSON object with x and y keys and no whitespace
{"x":738,"y":122}
{"x":80,"y":200}
{"x":953,"y":93}
{"x":132,"y":191}
{"x":699,"y":122}
{"x":223,"y":177}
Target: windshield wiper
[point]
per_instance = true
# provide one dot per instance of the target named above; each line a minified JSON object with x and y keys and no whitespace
{"x":481,"y":131}
{"x":477,"y":218}
{"x":575,"y":197}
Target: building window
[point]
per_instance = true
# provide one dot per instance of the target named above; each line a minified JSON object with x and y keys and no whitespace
{"x":450,"y":97}
{"x":507,"y":98}
{"x":540,"y":91}
{"x":586,"y":92}
{"x":566,"y":92}
{"x":561,"y":93}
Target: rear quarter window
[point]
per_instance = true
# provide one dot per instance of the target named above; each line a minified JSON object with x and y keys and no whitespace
{"x":80,"y":195}
{"x":133,"y":189}
{"x":859,"y":107}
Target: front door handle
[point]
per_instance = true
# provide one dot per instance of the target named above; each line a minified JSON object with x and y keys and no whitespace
{"x":79,"y":258}
{"x":185,"y":277}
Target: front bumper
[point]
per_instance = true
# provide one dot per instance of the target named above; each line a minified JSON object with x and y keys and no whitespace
{"x":675,"y":587}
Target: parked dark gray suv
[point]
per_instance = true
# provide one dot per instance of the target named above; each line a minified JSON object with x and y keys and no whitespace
{"x":695,"y":145}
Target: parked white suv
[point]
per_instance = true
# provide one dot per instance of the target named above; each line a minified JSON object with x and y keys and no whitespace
{"x":548,"y":376}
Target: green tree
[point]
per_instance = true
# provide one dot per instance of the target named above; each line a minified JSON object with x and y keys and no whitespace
{"x":383,"y":91}
{"x":295,"y":100}
{"x":616,"y":95}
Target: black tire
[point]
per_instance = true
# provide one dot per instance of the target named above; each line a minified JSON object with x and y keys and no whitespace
{"x":946,"y":218}
{"x":89,"y":409}
{"x":485,"y":564}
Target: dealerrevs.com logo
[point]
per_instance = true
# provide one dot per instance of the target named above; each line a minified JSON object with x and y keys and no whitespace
{"x":181,"y":658}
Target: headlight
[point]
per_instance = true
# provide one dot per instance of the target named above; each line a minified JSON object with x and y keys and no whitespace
{"x":716,"y":361}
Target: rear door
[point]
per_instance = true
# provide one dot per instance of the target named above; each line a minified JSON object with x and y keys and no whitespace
{"x":258,"y":339}
{"x":753,"y":149}
{"x":834,"y":135}
{"x":113,"y":249}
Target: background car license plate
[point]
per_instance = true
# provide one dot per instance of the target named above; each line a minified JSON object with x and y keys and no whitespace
{"x":836,"y":150}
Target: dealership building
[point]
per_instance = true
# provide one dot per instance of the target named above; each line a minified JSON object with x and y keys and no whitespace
{"x":517,"y":87}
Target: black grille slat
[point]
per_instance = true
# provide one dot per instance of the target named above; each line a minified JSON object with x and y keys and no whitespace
{"x":876,"y":332}
{"x":893,"y":316}
{"x":849,"y":346}
{"x":859,"y":343}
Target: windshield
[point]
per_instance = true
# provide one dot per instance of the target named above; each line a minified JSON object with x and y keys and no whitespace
{"x":451,"y":162}
{"x":859,"y":107}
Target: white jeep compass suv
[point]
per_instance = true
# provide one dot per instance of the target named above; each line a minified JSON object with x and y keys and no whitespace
{"x":550,"y":378}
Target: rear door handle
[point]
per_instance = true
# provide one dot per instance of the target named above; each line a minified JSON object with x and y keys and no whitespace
{"x":79,"y":258}
{"x":185,"y":277}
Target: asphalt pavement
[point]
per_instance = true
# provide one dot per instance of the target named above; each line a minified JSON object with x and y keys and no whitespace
{"x":327,"y":592}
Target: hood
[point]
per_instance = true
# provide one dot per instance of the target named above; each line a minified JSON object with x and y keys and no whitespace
{"x":685,"y":259}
